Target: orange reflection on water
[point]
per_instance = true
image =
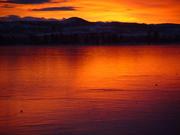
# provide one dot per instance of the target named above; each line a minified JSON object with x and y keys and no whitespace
{"x":68,"y":89}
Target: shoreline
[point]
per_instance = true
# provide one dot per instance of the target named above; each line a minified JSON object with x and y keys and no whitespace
{"x":81,"y":45}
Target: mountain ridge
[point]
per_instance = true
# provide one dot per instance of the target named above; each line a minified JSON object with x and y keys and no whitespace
{"x":15,"y":18}
{"x":74,"y":30}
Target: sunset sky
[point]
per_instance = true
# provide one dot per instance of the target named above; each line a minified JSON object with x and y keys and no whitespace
{"x":150,"y":11}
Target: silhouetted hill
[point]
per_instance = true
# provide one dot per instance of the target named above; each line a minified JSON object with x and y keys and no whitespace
{"x":14,"y":18}
{"x":74,"y":30}
{"x":75,"y":21}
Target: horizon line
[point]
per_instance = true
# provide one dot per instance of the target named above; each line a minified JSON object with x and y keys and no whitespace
{"x":63,"y":18}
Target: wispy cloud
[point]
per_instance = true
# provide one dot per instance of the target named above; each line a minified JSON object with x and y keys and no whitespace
{"x":25,"y":1}
{"x":68,"y":8}
{"x":6,"y":6}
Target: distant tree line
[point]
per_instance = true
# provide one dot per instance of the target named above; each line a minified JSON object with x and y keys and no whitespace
{"x":88,"y":38}
{"x":86,"y":33}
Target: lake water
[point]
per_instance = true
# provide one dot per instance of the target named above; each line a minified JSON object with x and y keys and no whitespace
{"x":91,"y":90}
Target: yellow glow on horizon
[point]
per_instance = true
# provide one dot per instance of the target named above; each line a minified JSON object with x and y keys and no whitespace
{"x":153,"y":11}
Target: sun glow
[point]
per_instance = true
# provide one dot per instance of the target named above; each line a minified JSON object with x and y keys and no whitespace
{"x":158,"y":11}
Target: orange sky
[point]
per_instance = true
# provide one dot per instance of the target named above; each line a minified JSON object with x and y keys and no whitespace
{"x":150,"y":11}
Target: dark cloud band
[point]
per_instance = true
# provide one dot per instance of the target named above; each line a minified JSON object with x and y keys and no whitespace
{"x":25,"y":1}
{"x":68,"y":8}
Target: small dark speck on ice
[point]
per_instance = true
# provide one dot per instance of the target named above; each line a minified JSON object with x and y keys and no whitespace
{"x":21,"y":111}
